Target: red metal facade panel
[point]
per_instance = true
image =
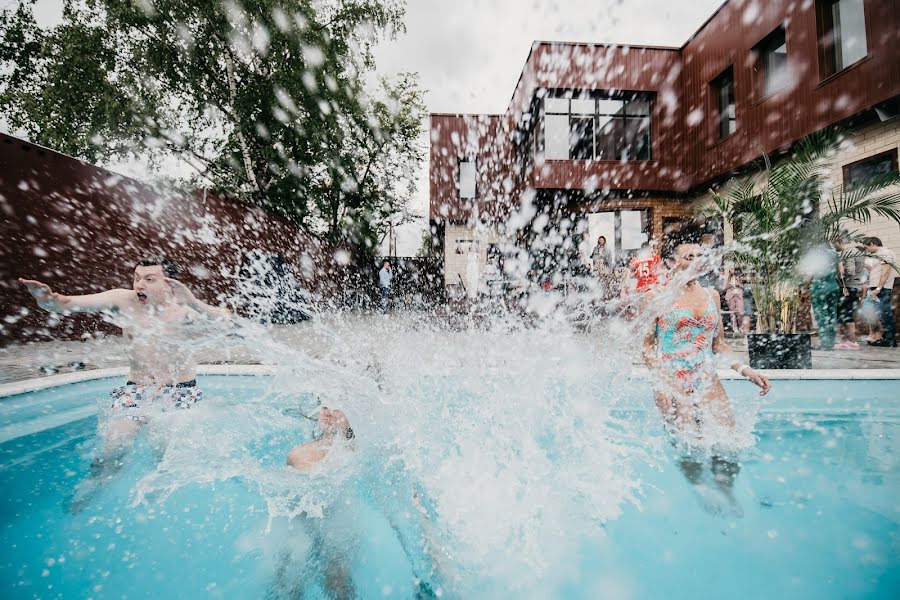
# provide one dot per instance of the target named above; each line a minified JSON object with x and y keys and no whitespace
{"x":455,"y":137}
{"x":614,"y":68}
{"x":808,"y":103}
{"x":687,"y":151}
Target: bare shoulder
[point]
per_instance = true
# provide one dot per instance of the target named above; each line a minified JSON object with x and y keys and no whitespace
{"x":715,"y":296}
{"x":304,"y":457}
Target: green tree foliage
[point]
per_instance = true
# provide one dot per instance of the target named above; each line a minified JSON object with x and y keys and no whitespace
{"x":265,"y":99}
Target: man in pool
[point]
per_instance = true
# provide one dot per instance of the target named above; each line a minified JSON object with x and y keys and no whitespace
{"x":335,"y":429}
{"x":155,"y":317}
{"x":337,"y":435}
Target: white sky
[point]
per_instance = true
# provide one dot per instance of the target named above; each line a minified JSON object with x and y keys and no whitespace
{"x":469,"y":53}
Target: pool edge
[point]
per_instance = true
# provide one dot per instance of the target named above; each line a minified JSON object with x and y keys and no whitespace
{"x":49,"y":381}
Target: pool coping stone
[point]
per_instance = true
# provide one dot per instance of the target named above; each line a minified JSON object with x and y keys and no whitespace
{"x":49,"y":381}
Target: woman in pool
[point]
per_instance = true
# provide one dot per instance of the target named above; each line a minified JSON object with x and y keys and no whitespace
{"x":681,"y":351}
{"x":687,"y":335}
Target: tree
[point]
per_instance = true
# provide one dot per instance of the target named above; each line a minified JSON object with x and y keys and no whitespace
{"x":265,"y":99}
{"x":788,"y":210}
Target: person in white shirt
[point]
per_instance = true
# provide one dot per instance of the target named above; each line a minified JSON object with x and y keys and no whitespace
{"x":385,"y":277}
{"x":881,"y":287}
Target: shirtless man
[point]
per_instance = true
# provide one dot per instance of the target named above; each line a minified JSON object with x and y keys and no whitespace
{"x":154,"y":316}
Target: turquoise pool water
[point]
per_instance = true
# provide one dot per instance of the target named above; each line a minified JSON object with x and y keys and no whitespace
{"x":815,"y":512}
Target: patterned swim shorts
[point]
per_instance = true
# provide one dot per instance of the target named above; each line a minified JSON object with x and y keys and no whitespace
{"x":134,"y":400}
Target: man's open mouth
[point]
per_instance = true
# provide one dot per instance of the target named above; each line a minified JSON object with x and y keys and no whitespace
{"x":141,"y":297}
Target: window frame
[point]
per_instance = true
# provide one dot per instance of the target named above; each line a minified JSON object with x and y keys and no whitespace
{"x":646,"y":217}
{"x":627,"y":98}
{"x":717,"y":94}
{"x":825,"y":39}
{"x":845,"y":169}
{"x":459,"y":191}
{"x":762,"y":50}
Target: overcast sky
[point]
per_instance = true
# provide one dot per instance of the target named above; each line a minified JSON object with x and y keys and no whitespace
{"x":469,"y":53}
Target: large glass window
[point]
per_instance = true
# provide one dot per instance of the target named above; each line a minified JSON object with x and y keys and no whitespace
{"x":723,"y":88}
{"x":842,"y":36}
{"x":467,"y":177}
{"x":625,"y":231}
{"x":633,"y":226}
{"x":773,"y":62}
{"x":598,"y":126}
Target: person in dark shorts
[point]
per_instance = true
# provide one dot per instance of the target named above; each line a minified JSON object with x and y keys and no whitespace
{"x":851,"y":271}
{"x":824,"y":292}
{"x":881,"y":286}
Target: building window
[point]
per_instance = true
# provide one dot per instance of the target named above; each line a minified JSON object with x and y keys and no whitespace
{"x":625,"y":232}
{"x":467,"y":176}
{"x":723,"y":88}
{"x":581,"y":129}
{"x":598,"y":126}
{"x":556,"y":128}
{"x":842,"y":34}
{"x":858,"y":173}
{"x":772,"y":63}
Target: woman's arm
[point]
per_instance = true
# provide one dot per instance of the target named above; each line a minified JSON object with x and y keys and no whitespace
{"x":720,"y":346}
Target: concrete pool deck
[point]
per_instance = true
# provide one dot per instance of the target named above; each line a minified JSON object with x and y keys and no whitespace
{"x":22,"y":362}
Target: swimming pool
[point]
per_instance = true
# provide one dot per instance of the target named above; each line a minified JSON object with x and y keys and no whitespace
{"x":815,"y":511}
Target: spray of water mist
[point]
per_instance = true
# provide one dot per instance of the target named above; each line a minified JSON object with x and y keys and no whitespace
{"x":518,"y":437}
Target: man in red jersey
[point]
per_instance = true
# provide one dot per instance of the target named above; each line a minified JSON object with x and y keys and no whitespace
{"x":645,"y":268}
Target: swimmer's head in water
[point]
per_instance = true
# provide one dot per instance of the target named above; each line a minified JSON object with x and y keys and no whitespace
{"x":150,"y":279}
{"x":334,"y":421}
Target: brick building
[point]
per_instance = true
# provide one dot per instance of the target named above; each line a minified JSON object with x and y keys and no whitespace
{"x":620,"y":140}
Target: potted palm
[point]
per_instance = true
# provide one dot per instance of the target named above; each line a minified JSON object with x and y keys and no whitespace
{"x":777,"y":217}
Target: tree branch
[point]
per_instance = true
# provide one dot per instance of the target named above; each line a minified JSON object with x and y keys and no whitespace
{"x":232,"y":95}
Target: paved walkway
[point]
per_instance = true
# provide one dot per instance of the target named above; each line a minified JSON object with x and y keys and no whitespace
{"x":27,"y":361}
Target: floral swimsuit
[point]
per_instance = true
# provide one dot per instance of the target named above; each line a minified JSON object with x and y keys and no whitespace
{"x":684,"y":346}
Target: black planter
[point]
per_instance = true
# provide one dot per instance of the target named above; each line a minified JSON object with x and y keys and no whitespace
{"x":780,"y":351}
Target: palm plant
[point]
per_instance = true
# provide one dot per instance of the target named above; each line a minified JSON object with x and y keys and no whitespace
{"x":786,"y":210}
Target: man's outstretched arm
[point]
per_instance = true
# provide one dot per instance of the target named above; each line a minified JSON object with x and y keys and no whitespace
{"x":55,"y":302}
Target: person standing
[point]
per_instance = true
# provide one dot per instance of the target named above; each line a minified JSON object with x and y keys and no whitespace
{"x":385,"y":279}
{"x":734,"y":298}
{"x":683,"y":348}
{"x":602,"y":264}
{"x":824,"y":293}
{"x":749,"y":305}
{"x":850,"y":275}
{"x":645,"y":268}
{"x":601,"y":257}
{"x":881,"y":287}
{"x":713,"y":259}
